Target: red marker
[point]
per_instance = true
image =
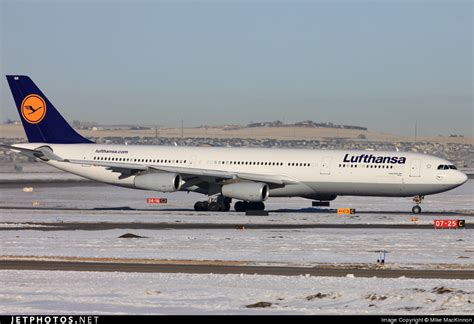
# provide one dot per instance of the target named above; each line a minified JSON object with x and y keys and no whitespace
{"x":448,"y":223}
{"x":157,"y":200}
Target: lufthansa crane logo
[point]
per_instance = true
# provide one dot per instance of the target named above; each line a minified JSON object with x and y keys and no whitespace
{"x":33,"y":109}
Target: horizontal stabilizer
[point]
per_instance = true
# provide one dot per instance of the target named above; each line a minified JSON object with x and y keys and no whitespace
{"x":43,"y":152}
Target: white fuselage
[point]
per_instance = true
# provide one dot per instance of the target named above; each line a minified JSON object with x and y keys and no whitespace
{"x":317,"y":174}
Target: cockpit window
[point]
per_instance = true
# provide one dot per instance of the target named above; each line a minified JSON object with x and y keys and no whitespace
{"x":446,"y":167}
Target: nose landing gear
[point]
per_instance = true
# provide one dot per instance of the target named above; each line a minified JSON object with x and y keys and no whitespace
{"x":418,"y":199}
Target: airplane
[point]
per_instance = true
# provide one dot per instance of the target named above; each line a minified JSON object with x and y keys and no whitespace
{"x":248,"y":175}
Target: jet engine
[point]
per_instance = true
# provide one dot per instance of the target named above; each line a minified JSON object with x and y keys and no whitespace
{"x":248,"y":191}
{"x":164,"y":182}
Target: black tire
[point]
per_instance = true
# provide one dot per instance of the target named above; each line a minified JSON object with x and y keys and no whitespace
{"x":259,"y":206}
{"x":197,"y":206}
{"x":255,"y":206}
{"x":416,"y":210}
{"x":214,"y":207}
{"x":240,"y":206}
{"x":201,"y":206}
{"x":226,"y":206}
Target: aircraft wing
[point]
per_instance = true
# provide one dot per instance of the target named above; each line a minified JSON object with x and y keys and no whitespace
{"x":258,"y":177}
{"x":188,"y":173}
{"x":126,"y":169}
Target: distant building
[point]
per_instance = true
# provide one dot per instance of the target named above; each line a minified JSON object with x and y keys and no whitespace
{"x":305,"y":123}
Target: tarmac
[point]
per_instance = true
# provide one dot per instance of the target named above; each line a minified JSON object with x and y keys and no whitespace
{"x":101,"y":226}
{"x":206,"y":268}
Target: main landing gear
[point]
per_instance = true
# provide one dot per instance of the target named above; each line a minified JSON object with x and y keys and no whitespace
{"x":242,"y":206}
{"x":221,"y":204}
{"x":215,"y":204}
{"x":417,"y":200}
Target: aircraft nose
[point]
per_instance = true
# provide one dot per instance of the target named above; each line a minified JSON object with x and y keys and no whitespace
{"x":461,"y":178}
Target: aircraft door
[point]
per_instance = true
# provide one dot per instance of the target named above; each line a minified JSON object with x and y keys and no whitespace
{"x":326,"y":165}
{"x":415,"y":168}
{"x":86,"y":155}
{"x":192,"y":160}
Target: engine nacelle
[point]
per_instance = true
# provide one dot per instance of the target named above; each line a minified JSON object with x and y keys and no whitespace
{"x":249,"y":191}
{"x":164,"y":182}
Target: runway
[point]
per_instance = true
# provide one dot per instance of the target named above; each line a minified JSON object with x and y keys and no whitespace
{"x":196,"y":268}
{"x":309,"y":210}
{"x":101,"y":226}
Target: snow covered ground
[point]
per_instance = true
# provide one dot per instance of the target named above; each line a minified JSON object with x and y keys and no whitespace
{"x":406,"y":248}
{"x":461,"y":198}
{"x":140,"y":293}
{"x":413,"y":247}
{"x":39,"y":177}
{"x":36,"y":172}
{"x":180,"y":207}
{"x":39,"y":292}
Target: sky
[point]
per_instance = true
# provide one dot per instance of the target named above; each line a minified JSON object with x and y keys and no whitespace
{"x":385,"y":65}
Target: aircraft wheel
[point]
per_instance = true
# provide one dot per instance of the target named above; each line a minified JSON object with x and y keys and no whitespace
{"x":214,"y":207}
{"x":200,"y":206}
{"x":226,"y":206}
{"x":240,"y":206}
{"x":416,"y":209}
{"x":259,"y":206}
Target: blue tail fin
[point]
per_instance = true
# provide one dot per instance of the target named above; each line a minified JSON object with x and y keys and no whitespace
{"x":41,"y":121}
